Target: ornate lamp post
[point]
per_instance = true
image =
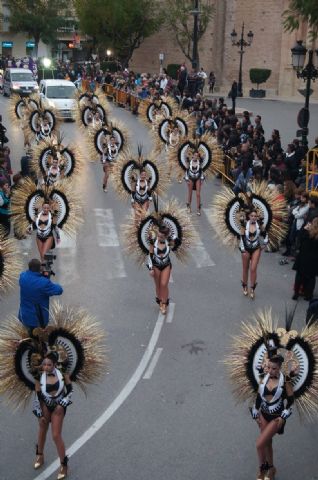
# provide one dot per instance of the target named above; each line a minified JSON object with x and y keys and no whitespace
{"x":241,"y":43}
{"x":308,"y":74}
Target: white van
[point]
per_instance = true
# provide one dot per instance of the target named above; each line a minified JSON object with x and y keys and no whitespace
{"x":19,"y":80}
{"x":59,"y":94}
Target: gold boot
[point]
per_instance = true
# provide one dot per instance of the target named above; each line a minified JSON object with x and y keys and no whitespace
{"x":245,"y":291}
{"x":270,"y":475}
{"x":63,"y":469}
{"x":262,"y":473}
{"x":39,"y":459}
{"x":252,"y":291}
{"x":163,"y":308}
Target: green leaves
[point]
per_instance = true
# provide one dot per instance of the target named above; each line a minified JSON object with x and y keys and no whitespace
{"x":40,"y":19}
{"x":119,"y":25}
{"x":302,"y":11}
{"x":179,"y":19}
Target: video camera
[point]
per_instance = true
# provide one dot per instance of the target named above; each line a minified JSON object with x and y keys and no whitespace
{"x":49,"y":258}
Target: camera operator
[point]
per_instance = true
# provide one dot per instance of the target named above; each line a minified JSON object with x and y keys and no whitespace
{"x":35,"y":292}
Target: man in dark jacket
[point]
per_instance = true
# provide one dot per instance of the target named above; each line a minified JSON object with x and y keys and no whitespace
{"x":35,"y":293}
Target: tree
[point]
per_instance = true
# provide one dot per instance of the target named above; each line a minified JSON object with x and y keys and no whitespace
{"x":119,"y":25}
{"x":180,"y":21}
{"x":38,"y":18}
{"x":259,"y":75}
{"x":302,"y":11}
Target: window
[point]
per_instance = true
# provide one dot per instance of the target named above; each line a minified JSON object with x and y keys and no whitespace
{"x":60,"y":91}
{"x":22,"y":77}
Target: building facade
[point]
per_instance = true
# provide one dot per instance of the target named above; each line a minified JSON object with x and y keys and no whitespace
{"x":70,"y":45}
{"x":270,"y":48}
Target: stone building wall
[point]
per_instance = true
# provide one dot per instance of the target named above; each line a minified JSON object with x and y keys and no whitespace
{"x":270,"y":49}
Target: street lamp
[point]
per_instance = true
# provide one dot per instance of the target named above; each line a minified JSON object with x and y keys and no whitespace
{"x":161,"y":59}
{"x":46,"y":64}
{"x":308,"y":74}
{"x":242,"y":43}
{"x":108,"y":53}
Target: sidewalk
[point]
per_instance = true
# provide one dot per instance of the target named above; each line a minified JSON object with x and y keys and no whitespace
{"x":270,"y":97}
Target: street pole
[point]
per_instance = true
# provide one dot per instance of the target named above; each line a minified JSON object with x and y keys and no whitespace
{"x":308,"y":73}
{"x":241,"y":52}
{"x":195,"y":35}
{"x":241,"y":43}
{"x":304,"y":130}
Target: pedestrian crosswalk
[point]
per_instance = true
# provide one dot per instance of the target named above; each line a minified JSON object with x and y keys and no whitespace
{"x":107,"y":238}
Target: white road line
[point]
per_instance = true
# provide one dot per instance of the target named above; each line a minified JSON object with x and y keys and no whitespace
{"x":170,"y":313}
{"x":208,"y":213}
{"x":107,"y":238}
{"x":106,"y":231}
{"x":201,"y":256}
{"x":114,"y":406}
{"x":152,"y":364}
{"x":171,"y":279}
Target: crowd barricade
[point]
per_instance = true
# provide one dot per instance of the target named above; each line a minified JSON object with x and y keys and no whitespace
{"x":312,"y":171}
{"x":109,"y":91}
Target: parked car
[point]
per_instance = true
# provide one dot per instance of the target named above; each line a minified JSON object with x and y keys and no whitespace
{"x":19,"y":80}
{"x":59,"y":94}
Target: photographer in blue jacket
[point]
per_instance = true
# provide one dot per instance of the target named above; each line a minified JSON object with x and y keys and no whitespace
{"x":35,"y":292}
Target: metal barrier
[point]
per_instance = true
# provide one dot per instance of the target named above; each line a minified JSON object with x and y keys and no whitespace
{"x":312,"y":171}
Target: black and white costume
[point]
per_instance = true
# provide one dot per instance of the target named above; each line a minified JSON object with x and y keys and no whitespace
{"x":44,"y":228}
{"x":43,"y":133}
{"x":251,"y":241}
{"x":275,"y":407}
{"x":52,"y":394}
{"x":194,"y":172}
{"x":160,"y":258}
{"x":110,"y":153}
{"x":51,"y":177}
{"x":142,"y":193}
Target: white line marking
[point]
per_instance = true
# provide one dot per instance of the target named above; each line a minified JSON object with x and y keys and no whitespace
{"x":115,"y":264}
{"x":114,"y":406}
{"x":170,"y":313}
{"x":152,"y":364}
{"x":106,"y":231}
{"x":208,"y":213}
{"x":107,"y":238}
{"x":201,"y":256}
{"x":171,"y":279}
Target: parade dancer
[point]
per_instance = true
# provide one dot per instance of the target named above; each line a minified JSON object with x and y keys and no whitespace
{"x":250,"y":247}
{"x":46,"y":210}
{"x":44,"y":365}
{"x":138,"y":176}
{"x":53,"y":161}
{"x":273,"y":367}
{"x":53,"y":396}
{"x":193,"y":161}
{"x":250,"y":221}
{"x":109,"y":155}
{"x":45,"y":230}
{"x":157,"y":235}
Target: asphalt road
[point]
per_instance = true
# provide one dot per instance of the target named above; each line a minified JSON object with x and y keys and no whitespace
{"x":164,"y":410}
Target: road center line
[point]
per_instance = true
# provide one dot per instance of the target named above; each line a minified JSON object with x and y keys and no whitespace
{"x":152,"y":364}
{"x":170,"y":313}
{"x":114,"y":406}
